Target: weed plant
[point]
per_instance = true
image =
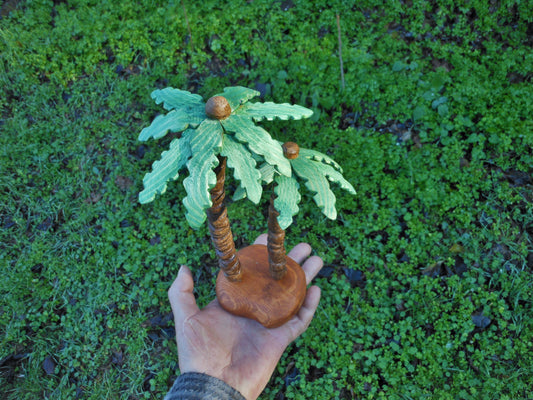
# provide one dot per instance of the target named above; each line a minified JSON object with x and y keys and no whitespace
{"x":427,"y":289}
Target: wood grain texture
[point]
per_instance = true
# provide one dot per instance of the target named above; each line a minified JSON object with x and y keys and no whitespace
{"x":217,"y":107}
{"x":219,"y":227}
{"x":291,"y":150}
{"x":276,"y":244}
{"x":259,"y":297}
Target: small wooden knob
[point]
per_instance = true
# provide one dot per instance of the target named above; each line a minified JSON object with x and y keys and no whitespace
{"x":217,"y":107}
{"x":291,"y":150}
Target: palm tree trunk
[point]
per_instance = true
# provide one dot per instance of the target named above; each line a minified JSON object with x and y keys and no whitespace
{"x":219,"y":227}
{"x":276,"y":249}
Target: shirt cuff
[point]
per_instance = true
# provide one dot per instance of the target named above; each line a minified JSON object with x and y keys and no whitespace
{"x":196,"y":386}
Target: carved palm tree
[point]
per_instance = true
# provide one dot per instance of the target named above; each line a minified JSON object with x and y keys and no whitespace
{"x":316,"y":170}
{"x":222,"y":132}
{"x":215,"y":133}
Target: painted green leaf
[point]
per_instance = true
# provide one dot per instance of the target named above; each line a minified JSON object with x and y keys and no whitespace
{"x":286,"y":202}
{"x":165,"y":169}
{"x":240,"y":193}
{"x":184,"y":106}
{"x":335,"y":176}
{"x":316,"y":155}
{"x":237,"y":95}
{"x":243,"y":165}
{"x":174,"y":121}
{"x":317,"y":183}
{"x":271,"y":111}
{"x":267,"y":172}
{"x":258,"y":140}
{"x":176,"y":98}
{"x":205,"y":143}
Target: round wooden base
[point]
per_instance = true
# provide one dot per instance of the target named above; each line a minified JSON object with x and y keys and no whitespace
{"x":258,"y":296}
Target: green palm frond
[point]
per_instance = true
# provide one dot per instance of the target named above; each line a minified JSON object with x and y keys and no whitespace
{"x":315,"y":155}
{"x":316,"y":170}
{"x":258,"y":140}
{"x":335,"y":176}
{"x":239,"y":194}
{"x":271,"y":111}
{"x":238,"y":95}
{"x":167,"y":168}
{"x":174,"y":121}
{"x":186,"y":110}
{"x":243,"y":164}
{"x":317,"y":183}
{"x":267,"y":171}
{"x":205,"y":143}
{"x":175,"y":99}
{"x":287,"y":199}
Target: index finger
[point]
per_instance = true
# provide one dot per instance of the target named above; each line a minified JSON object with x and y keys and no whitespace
{"x":300,"y":253}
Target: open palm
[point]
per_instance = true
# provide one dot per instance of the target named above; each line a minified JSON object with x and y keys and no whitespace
{"x":237,"y":350}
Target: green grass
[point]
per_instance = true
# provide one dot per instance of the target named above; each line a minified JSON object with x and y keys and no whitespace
{"x":433,"y":128}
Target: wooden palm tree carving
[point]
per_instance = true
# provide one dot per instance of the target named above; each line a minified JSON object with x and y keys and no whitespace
{"x":258,"y":282}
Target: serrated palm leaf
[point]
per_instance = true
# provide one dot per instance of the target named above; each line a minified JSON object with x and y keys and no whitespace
{"x":271,"y":111}
{"x":286,"y":202}
{"x":243,"y":165}
{"x":258,"y":140}
{"x":205,"y":143}
{"x":312,"y":154}
{"x":317,"y":183}
{"x":335,"y":176}
{"x":267,"y":172}
{"x":176,"y":98}
{"x":183,"y":106}
{"x":174,"y":121}
{"x":237,"y":95}
{"x":165,"y":169}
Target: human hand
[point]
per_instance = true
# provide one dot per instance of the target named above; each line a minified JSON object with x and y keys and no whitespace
{"x":237,"y":350}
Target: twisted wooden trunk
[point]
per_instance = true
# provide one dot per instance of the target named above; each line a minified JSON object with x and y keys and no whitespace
{"x":277,"y":258}
{"x":261,"y":283}
{"x":220,"y":230}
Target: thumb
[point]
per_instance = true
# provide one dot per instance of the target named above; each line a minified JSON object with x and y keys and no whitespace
{"x":181,"y":296}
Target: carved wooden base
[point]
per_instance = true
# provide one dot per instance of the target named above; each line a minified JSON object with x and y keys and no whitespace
{"x":258,"y":296}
